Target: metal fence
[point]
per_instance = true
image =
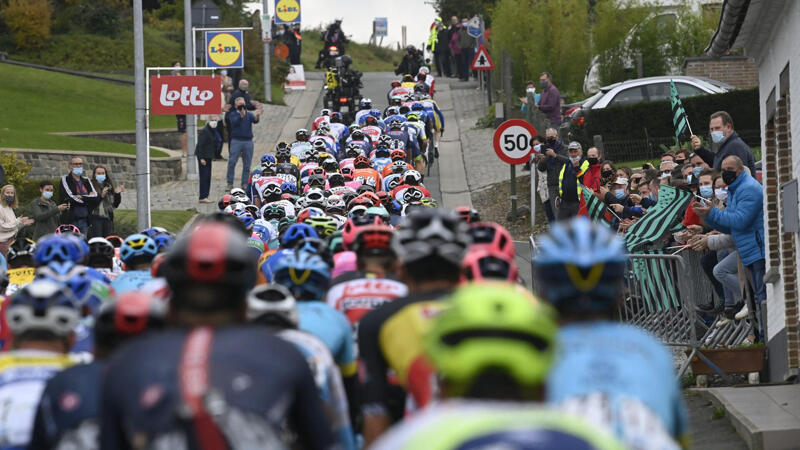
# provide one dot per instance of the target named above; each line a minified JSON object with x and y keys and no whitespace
{"x":652,"y":147}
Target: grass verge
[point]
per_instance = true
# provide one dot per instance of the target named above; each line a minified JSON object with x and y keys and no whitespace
{"x":125,"y":220}
{"x":366,"y":58}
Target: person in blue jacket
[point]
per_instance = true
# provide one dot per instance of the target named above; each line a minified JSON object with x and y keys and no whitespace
{"x":743,"y":219}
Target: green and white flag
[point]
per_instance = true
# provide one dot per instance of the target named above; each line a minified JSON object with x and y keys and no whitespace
{"x":679,"y":118}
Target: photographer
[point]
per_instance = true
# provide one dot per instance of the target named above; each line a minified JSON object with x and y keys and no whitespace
{"x":101,"y":217}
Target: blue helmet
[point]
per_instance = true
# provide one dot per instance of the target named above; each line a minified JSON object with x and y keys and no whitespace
{"x":295,"y":232}
{"x":163,"y":242}
{"x":268,"y":158}
{"x":246,"y":218}
{"x":139,"y":247}
{"x":304,"y":274}
{"x":61,"y":248}
{"x":288,"y":188}
{"x":580,"y":266}
{"x":43,"y":305}
{"x":88,"y":289}
{"x":153,"y":231}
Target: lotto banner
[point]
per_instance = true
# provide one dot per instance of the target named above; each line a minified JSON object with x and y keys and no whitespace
{"x":185,"y":95}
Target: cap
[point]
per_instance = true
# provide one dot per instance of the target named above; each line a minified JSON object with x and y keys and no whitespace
{"x":621,"y":180}
{"x":575,"y":144}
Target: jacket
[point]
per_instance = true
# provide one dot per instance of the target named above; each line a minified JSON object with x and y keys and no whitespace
{"x":206,"y":143}
{"x":464,"y":39}
{"x":743,"y":218}
{"x":9,"y":223}
{"x":67,"y":193}
{"x":110,"y":203}
{"x":442,"y":41}
{"x":45,"y":213}
{"x":592,"y":177}
{"x":550,"y":105}
{"x":733,"y":146}
{"x":454,"y":43}
{"x":433,"y":38}
{"x":553,"y":165}
{"x":568,"y":179}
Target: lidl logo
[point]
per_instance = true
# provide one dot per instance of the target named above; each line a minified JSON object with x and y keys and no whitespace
{"x":224,"y":49}
{"x":287,"y":11}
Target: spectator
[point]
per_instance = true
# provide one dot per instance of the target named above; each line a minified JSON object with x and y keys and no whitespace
{"x":45,"y":212}
{"x":668,"y":156}
{"x":530,"y":90}
{"x":730,"y":144}
{"x":242,"y":92}
{"x":743,"y":219}
{"x":608,"y":173}
{"x":441,"y":53}
{"x":653,"y":180}
{"x":227,"y":85}
{"x":636,"y":180}
{"x":79,"y":192}
{"x":624,"y":172}
{"x":455,"y":52}
{"x":241,"y":145}
{"x":101,"y":215}
{"x":411,"y":62}
{"x":682,"y":156}
{"x":551,"y":164}
{"x":10,"y":224}
{"x":593,"y":176}
{"x":570,"y":175}
{"x":666,"y":169}
{"x":550,"y":100}
{"x":207,"y":141}
{"x":622,"y":202}
{"x":466,"y":45}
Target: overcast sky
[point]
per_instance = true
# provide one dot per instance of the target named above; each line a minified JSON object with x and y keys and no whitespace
{"x":357,"y":16}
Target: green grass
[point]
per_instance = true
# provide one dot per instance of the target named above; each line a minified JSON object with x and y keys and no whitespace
{"x":125,"y":220}
{"x":366,"y":58}
{"x":45,"y":102}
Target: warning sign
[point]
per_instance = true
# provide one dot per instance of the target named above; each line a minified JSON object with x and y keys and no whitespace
{"x":482,"y":61}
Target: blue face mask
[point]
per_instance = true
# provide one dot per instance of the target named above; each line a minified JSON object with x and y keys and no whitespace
{"x":651,"y":196}
{"x":101,"y":178}
{"x":696,"y":171}
{"x":717,"y":137}
{"x":706,"y":191}
{"x":619,"y":193}
{"x":77,"y":171}
{"x":47,"y":194}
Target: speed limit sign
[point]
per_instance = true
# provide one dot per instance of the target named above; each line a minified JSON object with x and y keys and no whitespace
{"x":513,"y":141}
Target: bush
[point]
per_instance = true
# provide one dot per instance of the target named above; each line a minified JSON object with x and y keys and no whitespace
{"x":99,"y":18}
{"x":16,"y":168}
{"x":30,"y":21}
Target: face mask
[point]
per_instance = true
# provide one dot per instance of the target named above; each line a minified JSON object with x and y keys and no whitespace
{"x":551,"y":141}
{"x":212,"y":123}
{"x":665,"y":175}
{"x":101,"y":178}
{"x":717,"y":137}
{"x":607,"y":173}
{"x":619,"y":193}
{"x":574,"y":159}
{"x":706,"y":191}
{"x":721,"y":194}
{"x":531,"y":90}
{"x":538,"y":148}
{"x":77,"y":171}
{"x":9,"y":198}
{"x":689,"y":179}
{"x":223,"y":72}
{"x":47,"y":194}
{"x":464,"y":24}
{"x":729,"y":176}
{"x":543,"y":84}
{"x":696,"y":171}
{"x":593,"y":161}
{"x":245,"y":88}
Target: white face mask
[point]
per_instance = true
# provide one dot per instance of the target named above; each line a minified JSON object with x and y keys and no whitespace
{"x":531,"y":90}
{"x":212,"y":123}
{"x":721,"y":194}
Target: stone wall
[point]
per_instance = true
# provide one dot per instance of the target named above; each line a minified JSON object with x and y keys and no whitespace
{"x":170,"y":138}
{"x":52,"y":164}
{"x":738,"y":71}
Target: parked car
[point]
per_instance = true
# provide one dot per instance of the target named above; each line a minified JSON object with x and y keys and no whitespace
{"x":628,"y":92}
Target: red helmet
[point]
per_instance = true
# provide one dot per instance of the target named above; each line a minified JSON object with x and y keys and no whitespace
{"x":373,"y":240}
{"x":224,"y":201}
{"x":384,"y":198}
{"x":467,"y":214}
{"x":492,"y":236}
{"x":371,"y":197}
{"x":484,"y":263}
{"x":395,"y":84}
{"x":351,"y":228}
{"x":362,"y":162}
{"x":397,"y":155}
{"x":131,"y":314}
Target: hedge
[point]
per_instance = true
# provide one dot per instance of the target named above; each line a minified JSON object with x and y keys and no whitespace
{"x":631,"y":121}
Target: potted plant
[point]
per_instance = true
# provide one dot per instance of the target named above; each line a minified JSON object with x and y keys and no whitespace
{"x":743,"y":359}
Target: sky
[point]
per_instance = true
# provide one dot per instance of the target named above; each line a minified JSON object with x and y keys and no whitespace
{"x":357,"y":17}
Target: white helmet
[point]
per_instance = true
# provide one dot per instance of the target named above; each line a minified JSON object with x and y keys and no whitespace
{"x":274,"y":300}
{"x":43,"y":305}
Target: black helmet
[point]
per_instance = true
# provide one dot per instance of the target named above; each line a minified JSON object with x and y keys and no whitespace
{"x":301,"y":135}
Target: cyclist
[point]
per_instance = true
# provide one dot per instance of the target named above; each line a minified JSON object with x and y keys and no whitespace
{"x":41,"y":317}
{"x":274,"y":306}
{"x":209,"y":355}
{"x":632,"y":388}
{"x":407,"y":142}
{"x":101,"y":257}
{"x":137,"y":252}
{"x":365,"y":105}
{"x":492,"y":349}
{"x":68,"y":415}
{"x":430,"y":244}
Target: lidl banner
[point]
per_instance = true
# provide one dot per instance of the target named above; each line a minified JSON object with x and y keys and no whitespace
{"x":287,"y":11}
{"x":224,"y":49}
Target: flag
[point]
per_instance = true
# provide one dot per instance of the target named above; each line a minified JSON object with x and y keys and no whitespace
{"x":679,"y":118}
{"x":656,"y":282}
{"x":660,"y":220}
{"x":593,"y":208}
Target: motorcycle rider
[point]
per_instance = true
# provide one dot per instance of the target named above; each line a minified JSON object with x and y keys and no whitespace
{"x":332,"y":36}
{"x":412,"y":61}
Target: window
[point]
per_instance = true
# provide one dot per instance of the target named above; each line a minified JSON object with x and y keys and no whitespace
{"x":628,"y":96}
{"x":658,"y":91}
{"x":687,"y":90}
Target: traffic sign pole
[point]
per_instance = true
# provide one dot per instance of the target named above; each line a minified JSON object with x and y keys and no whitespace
{"x":266,"y":27}
{"x":513,"y":143}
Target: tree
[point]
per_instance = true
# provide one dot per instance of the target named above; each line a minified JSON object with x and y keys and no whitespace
{"x":30,"y":22}
{"x":465,"y":8}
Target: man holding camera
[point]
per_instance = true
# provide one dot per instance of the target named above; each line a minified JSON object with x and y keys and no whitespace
{"x":241,"y":133}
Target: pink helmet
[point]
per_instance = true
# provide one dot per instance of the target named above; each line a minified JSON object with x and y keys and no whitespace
{"x":343,"y":262}
{"x":484,"y":263}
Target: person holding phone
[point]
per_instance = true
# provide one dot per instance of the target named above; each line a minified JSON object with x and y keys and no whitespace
{"x":45,"y":212}
{"x":101,"y":216}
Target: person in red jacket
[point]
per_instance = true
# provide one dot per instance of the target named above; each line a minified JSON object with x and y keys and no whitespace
{"x":592,"y":177}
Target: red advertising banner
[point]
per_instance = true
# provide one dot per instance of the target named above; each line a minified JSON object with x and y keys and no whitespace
{"x":185,"y":95}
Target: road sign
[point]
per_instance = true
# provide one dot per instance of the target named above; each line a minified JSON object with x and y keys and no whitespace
{"x":474,"y":28}
{"x":482,"y":61}
{"x":281,"y":51}
{"x":513,"y":141}
{"x":287,"y":11}
{"x":205,"y":14}
{"x":224,"y":49}
{"x":185,"y":95}
{"x":381,"y":27}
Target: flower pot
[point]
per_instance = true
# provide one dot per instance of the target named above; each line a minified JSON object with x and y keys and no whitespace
{"x":730,"y":360}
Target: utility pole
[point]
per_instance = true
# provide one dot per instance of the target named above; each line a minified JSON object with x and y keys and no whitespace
{"x":507,"y":92}
{"x":266,"y":35}
{"x":142,"y":158}
{"x":191,"y":119}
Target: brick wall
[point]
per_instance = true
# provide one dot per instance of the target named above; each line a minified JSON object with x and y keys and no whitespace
{"x":738,"y":71}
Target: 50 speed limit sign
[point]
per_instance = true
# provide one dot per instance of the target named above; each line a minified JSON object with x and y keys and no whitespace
{"x":513,"y":141}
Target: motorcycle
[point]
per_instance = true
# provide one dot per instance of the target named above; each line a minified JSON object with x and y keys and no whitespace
{"x":342,"y":86}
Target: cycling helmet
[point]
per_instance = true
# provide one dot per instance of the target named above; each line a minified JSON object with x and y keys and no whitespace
{"x":429,"y":202}
{"x":295,"y":232}
{"x":22,"y":247}
{"x":131,"y":314}
{"x":267,"y":158}
{"x":324,"y":128}
{"x":273,"y":211}
{"x":43,"y":306}
{"x":378,"y":212}
{"x":360,"y":201}
{"x":316,"y":181}
{"x":324,"y":225}
{"x":153,"y":231}
{"x":301,"y":135}
{"x":68,"y":228}
{"x":357,"y":210}
{"x":316,"y":246}
{"x":405,"y":109}
{"x":482,"y":264}
{"x":358,"y":135}
{"x":373,"y":240}
{"x":398,"y":155}
{"x":468,"y":214}
{"x":306,"y":276}
{"x":371,"y":121}
{"x":224,"y":202}
{"x":238,"y":195}
{"x":492,"y":326}
{"x":272,"y":303}
{"x":396,"y":84}
{"x":265,"y":231}
{"x":315,"y":197}
{"x":395,"y":124}
{"x":335,"y":180}
{"x":289,"y":188}
{"x":432,"y":233}
{"x":283,"y":155}
{"x":412,"y":116}
{"x":385,"y":140}
{"x":253,"y":211}
{"x":347,"y":173}
{"x":137,"y":249}
{"x":56,"y":247}
{"x":393,"y":182}
{"x":115,"y":240}
{"x":362,"y":162}
{"x":412,"y":177}
{"x":367,"y":184}
{"x":412,"y":195}
{"x":268,"y":169}
{"x":271,"y":192}
{"x":384,"y":198}
{"x":353,"y":150}
{"x":492,"y":236}
{"x":325,"y":112}
{"x":335,"y":205}
{"x":351,"y":227}
{"x":421,"y":88}
{"x":284,"y":224}
{"x":335,"y":243}
{"x":365,"y":103}
{"x":100,"y":249}
{"x":580,"y":266}
{"x":319,"y":146}
{"x":330,"y":165}
{"x":417,"y":106}
{"x":336,"y":117}
{"x":392,"y":111}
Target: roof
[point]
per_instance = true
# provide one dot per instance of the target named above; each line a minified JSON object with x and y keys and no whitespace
{"x":730,"y":23}
{"x":741,"y":25}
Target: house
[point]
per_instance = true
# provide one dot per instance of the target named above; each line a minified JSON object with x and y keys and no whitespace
{"x":767,"y":30}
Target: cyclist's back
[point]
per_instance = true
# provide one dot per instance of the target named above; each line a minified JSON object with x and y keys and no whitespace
{"x":357,"y":293}
{"x":332,"y":328}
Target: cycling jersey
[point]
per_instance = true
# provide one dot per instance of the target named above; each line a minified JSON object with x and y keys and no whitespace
{"x":332,"y":328}
{"x":464,"y":424}
{"x":68,"y":415}
{"x":328,"y":382}
{"x":391,"y":337}
{"x":357,"y":293}
{"x":23,"y":374}
{"x":132,"y":280}
{"x":258,"y":393}
{"x":619,"y":377}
